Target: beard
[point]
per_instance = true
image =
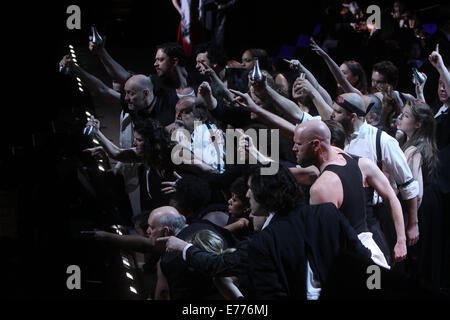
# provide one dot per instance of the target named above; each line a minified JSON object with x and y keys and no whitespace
{"x":348,"y":126}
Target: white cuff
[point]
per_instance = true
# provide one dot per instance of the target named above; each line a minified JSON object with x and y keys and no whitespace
{"x":410,"y":191}
{"x":185,"y":249}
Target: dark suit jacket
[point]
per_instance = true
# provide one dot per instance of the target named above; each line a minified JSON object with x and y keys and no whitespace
{"x":187,"y":283}
{"x":275,"y":258}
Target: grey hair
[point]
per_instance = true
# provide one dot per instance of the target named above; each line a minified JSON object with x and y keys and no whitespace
{"x":175,"y":224}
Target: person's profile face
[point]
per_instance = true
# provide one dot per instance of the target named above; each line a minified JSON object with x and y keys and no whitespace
{"x":302,"y":148}
{"x":255,"y":207}
{"x":163,"y":64}
{"x":442,"y":92}
{"x":202,"y":58}
{"x":138,"y":143}
{"x":134,"y":96}
{"x":247,"y":60}
{"x":377,"y":80}
{"x":235,"y":206}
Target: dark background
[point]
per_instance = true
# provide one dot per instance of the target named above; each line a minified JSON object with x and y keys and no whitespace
{"x":42,"y":119}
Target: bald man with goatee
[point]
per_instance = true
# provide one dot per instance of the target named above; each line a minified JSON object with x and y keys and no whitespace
{"x":340,"y":181}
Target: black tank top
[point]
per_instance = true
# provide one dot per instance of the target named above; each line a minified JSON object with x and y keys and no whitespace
{"x":354,"y":204}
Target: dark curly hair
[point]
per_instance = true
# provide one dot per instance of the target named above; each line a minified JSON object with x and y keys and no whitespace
{"x":388,"y":70}
{"x":157,"y":145}
{"x":278,"y":193}
{"x":192,"y":193}
{"x":239,"y":188}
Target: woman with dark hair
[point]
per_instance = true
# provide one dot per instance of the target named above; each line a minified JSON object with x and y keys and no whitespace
{"x":350,"y":76}
{"x":426,"y":259}
{"x":248,"y":61}
{"x":417,"y":122}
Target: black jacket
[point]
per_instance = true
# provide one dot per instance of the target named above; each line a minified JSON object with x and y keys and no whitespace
{"x":275,"y":258}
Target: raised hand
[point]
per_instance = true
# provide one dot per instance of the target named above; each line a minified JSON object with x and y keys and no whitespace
{"x":94,"y":123}
{"x":173,"y":244}
{"x":171,"y":185}
{"x":315,"y":47}
{"x":293,"y":64}
{"x":302,"y":86}
{"x":96,"y":48}
{"x":436,"y":59}
{"x":67,"y":61}
{"x":205,"y":93}
{"x":98,"y":153}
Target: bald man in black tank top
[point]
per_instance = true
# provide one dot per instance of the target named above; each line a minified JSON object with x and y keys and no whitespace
{"x":340,"y":182}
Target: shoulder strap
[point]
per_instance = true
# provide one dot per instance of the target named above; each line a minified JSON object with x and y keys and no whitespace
{"x":378,"y":145}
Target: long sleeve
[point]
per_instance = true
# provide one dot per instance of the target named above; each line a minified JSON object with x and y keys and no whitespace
{"x":395,"y":164}
{"x":222,"y":265}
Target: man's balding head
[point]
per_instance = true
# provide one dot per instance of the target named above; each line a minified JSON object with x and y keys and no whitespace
{"x":310,"y":138}
{"x":138,"y":92}
{"x":314,"y":129}
{"x":164,"y":221}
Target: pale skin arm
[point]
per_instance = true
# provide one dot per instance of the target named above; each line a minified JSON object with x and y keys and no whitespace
{"x":272,"y":120}
{"x":375,"y":178}
{"x":412,"y":228}
{"x":419,"y":88}
{"x":335,"y":70}
{"x":129,"y":242}
{"x":436,"y":60}
{"x":295,"y":64}
{"x":323,"y":108}
{"x":93,"y":84}
{"x":287,"y":106}
{"x":215,"y":78}
{"x":238,"y":226}
{"x":162,"y":286}
{"x":113,"y":151}
{"x":305,"y":176}
{"x":227,"y":288}
{"x":113,"y":68}
{"x":177,"y":6}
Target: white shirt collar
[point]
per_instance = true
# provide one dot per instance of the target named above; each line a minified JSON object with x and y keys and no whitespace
{"x":269,"y":218}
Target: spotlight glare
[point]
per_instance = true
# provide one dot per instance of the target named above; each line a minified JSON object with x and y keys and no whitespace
{"x":78,"y":79}
{"x":73,"y":55}
{"x":133,"y":290}
{"x":79,"y":88}
{"x":126,"y":263}
{"x":88,"y":114}
{"x":129,"y":276}
{"x":72,"y":51}
{"x":95,"y":141}
{"x":70,"y":46}
{"x":101,"y":168}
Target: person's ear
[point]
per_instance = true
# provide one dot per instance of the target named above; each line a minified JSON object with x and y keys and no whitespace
{"x":167,"y":232}
{"x":146,"y":93}
{"x":175,"y":61}
{"x":353,"y":116}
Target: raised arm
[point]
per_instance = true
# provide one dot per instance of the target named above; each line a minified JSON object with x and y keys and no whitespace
{"x":297,"y":65}
{"x":436,"y":60}
{"x":114,"y":69}
{"x":323,"y":108}
{"x":95,"y":86}
{"x":177,"y":6}
{"x":269,"y":118}
{"x":216,"y":80}
{"x":113,"y":151}
{"x":334,"y":68}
